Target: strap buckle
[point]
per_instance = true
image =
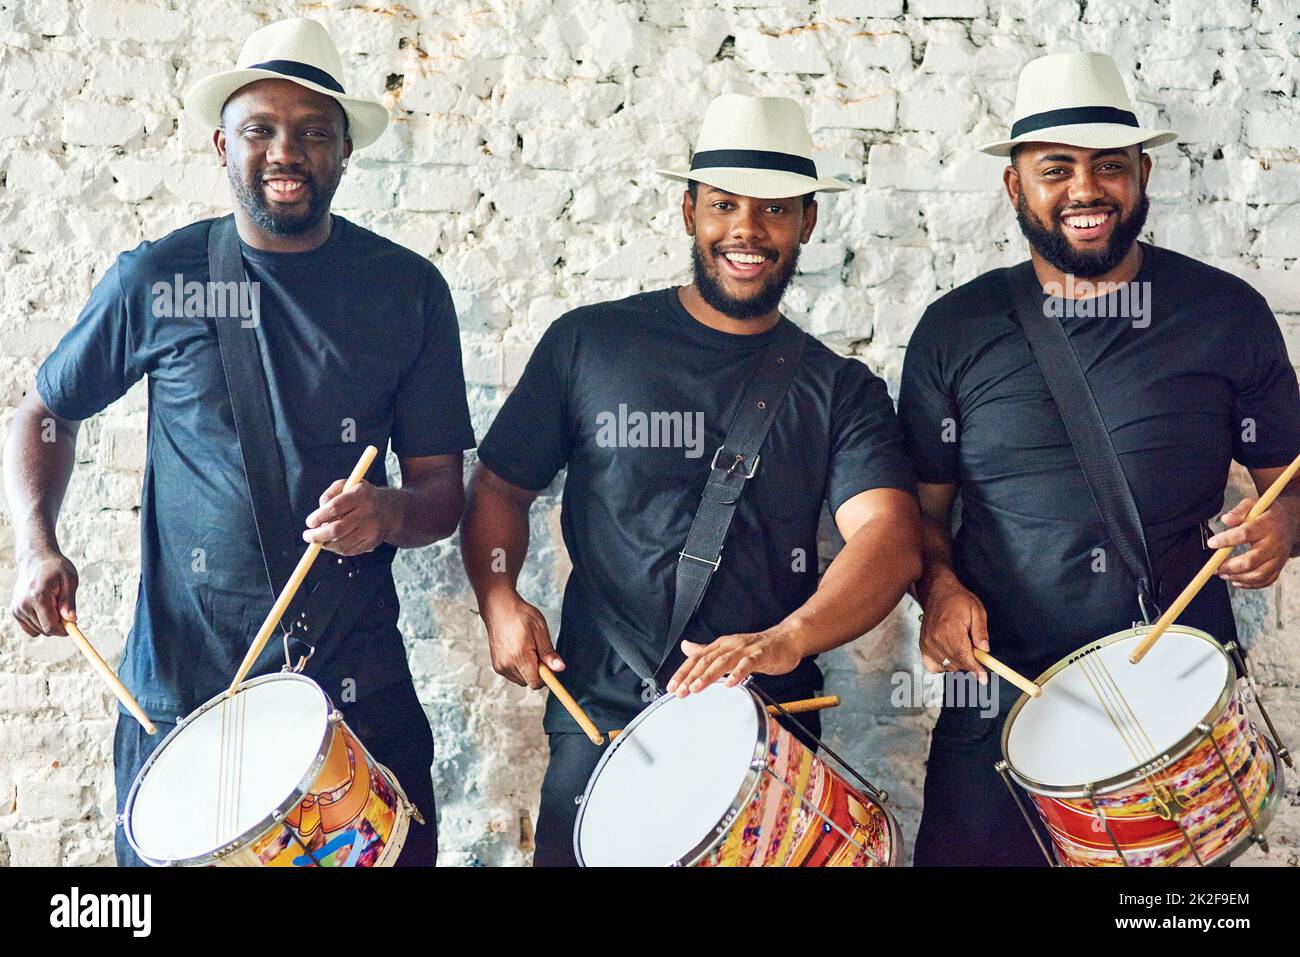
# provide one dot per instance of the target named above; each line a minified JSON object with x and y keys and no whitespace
{"x":702,"y":561}
{"x":739,"y":459}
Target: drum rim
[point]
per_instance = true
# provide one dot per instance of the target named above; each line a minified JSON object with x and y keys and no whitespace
{"x":274,"y":818}
{"x":718,"y":833}
{"x":1117,"y":782}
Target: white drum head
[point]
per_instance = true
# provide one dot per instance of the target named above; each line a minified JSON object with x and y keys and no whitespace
{"x":669,"y":780}
{"x":1065,"y":737}
{"x":227,"y":769}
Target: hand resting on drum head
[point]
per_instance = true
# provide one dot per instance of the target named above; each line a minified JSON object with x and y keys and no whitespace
{"x":881,"y":534}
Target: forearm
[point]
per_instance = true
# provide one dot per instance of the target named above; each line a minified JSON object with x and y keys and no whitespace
{"x":38,"y":460}
{"x":493,"y":542}
{"x":424,"y":514}
{"x":1288,"y":504}
{"x":862,"y":585}
{"x":936,"y":560}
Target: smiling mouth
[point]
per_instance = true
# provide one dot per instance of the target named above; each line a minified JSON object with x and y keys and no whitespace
{"x":1088,"y":224}
{"x":744,"y":265}
{"x":285,"y":189}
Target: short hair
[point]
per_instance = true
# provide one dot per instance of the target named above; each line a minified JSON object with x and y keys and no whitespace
{"x":692,"y":186}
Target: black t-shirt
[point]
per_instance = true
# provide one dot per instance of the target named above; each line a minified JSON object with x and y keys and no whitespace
{"x":360,"y":343}
{"x":609,"y":383}
{"x":1206,"y":382}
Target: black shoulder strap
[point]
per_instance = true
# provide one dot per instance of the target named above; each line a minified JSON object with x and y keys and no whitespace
{"x":1088,"y":433}
{"x":241,"y":361}
{"x":736,"y":461}
{"x":264,"y":470}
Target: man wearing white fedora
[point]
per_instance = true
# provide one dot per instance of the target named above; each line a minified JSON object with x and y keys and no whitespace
{"x":598,"y":396}
{"x":336,"y":339}
{"x":1187,"y":371}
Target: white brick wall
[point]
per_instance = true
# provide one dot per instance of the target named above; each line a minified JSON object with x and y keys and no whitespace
{"x":524,"y":133}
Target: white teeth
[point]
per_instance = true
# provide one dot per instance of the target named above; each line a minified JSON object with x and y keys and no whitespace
{"x":1084,"y":221}
{"x":284,"y":186}
{"x":747,"y":258}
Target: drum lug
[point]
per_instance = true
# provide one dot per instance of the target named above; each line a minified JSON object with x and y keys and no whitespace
{"x":120,"y":820}
{"x":577,"y":801}
{"x":336,"y":716}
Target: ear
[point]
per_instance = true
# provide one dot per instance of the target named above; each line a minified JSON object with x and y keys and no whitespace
{"x":347,"y":148}
{"x":1145,"y":168}
{"x":1011,"y":181}
{"x":688,"y":212}
{"x":219,"y":141}
{"x":809,"y":221}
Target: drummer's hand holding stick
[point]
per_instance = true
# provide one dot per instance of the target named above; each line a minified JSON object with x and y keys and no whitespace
{"x":880,"y":558}
{"x":954,"y":623}
{"x":295,"y":581}
{"x":493,"y":544}
{"x":1269,"y":525}
{"x":38,"y":460}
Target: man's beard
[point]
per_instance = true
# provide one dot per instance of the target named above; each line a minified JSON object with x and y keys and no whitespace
{"x":1053,"y":245}
{"x":253,"y":200}
{"x":767,"y":298}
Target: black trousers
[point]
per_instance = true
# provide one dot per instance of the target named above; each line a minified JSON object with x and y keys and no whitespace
{"x":390,"y":723}
{"x":969,"y":817}
{"x":573,"y":759}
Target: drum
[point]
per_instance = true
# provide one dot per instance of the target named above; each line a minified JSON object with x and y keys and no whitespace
{"x":1152,"y":764}
{"x":271,"y":777}
{"x":711,"y":780}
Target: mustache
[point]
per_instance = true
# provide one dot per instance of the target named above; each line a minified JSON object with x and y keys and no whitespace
{"x":262,"y":175}
{"x":1100,"y":205}
{"x":768,"y":253}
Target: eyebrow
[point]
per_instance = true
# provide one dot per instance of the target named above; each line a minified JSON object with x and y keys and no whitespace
{"x":319,"y":119}
{"x":1066,"y":158}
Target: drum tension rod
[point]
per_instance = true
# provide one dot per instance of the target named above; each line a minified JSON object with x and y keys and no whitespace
{"x":819,"y":813}
{"x":1001,"y":768}
{"x":879,"y":794}
{"x":1105,"y":822}
{"x":1256,"y":834}
{"x":1283,"y":751}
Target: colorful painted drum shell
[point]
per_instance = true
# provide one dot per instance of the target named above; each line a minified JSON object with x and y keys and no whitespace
{"x":780,"y":825}
{"x":1215,"y":821}
{"x":350,"y":816}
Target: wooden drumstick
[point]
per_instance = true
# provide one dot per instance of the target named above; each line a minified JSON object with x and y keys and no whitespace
{"x":792,"y":707}
{"x":807,"y":704}
{"x":109,"y":677}
{"x":571,"y":706}
{"x":1015,"y":677}
{"x":295,"y":580}
{"x":1210,"y":567}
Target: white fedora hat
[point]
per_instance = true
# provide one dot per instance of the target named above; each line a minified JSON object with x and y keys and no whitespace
{"x":1077,"y":99}
{"x":299,"y":50}
{"x":755,"y":146}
